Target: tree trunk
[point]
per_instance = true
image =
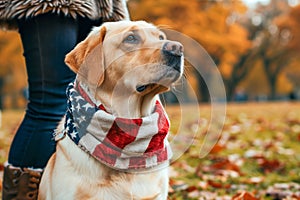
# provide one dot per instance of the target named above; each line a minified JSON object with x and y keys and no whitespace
{"x":273,"y":93}
{"x":230,"y":88}
{"x":203,"y":93}
{"x":1,"y":92}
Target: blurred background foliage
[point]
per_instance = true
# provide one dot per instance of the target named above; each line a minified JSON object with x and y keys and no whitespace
{"x":13,"y":79}
{"x":256,"y":48}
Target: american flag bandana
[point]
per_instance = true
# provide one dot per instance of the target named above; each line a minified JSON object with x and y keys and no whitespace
{"x":119,"y":143}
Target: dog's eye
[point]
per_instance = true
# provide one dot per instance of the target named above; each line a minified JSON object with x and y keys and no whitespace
{"x":131,"y":39}
{"x":161,"y":37}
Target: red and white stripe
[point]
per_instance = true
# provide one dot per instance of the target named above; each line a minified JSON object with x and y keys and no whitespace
{"x":123,"y":143}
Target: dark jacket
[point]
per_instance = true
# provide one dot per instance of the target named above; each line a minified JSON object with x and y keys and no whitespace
{"x":108,"y":10}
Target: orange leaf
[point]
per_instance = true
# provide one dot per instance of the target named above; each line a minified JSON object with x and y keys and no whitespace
{"x":215,"y":184}
{"x":244,"y":196}
{"x":216,"y":149}
{"x":225,"y":164}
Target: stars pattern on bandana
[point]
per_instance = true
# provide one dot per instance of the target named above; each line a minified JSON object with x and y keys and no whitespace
{"x":120,"y":143}
{"x":76,"y":118}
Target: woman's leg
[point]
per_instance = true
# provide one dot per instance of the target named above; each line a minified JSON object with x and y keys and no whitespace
{"x":46,"y":39}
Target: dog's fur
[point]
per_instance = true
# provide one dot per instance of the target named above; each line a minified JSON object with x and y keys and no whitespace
{"x":114,"y":60}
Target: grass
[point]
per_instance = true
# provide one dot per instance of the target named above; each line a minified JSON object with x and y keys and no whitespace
{"x":259,"y":148}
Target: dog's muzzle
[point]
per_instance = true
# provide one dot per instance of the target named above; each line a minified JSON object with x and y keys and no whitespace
{"x":172,"y":58}
{"x":172,"y":52}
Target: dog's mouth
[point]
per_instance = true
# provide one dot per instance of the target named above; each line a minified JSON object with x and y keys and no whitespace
{"x":142,"y":88}
{"x":163,"y":81}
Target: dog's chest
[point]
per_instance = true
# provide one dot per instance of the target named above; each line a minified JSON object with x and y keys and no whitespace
{"x":137,"y":188}
{"x":92,"y":179}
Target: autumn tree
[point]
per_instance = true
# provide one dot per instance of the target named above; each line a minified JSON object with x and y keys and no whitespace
{"x":212,"y":23}
{"x":291,"y":23}
{"x":272,"y":40}
{"x":12,"y":66}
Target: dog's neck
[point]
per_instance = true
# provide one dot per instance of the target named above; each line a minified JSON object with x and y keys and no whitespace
{"x":127,"y":105}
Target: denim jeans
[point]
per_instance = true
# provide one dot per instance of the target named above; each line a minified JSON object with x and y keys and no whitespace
{"x":46,"y":39}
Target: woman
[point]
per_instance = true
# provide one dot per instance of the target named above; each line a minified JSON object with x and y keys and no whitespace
{"x":49,"y":29}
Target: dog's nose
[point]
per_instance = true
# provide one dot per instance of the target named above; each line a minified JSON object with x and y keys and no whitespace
{"x":173,"y":48}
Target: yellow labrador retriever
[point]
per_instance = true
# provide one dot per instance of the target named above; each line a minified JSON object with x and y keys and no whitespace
{"x":112,"y":143}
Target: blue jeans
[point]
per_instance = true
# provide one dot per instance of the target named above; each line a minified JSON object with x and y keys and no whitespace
{"x":46,"y":39}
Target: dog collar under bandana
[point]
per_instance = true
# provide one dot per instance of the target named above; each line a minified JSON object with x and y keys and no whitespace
{"x":119,"y":143}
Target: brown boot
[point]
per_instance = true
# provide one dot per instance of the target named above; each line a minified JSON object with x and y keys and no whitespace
{"x":20,"y":184}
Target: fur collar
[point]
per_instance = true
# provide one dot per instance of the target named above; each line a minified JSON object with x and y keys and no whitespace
{"x":108,"y":10}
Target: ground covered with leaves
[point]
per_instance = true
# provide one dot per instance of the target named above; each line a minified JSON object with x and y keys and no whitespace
{"x":257,"y":155}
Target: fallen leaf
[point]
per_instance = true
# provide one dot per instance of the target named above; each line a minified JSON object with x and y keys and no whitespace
{"x":234,"y":129}
{"x":191,"y":188}
{"x":215,"y":184}
{"x":178,"y":185}
{"x":270,"y":165}
{"x":226,"y":165}
{"x":295,"y":197}
{"x":244,"y":196}
{"x":208,"y":195}
{"x":284,"y":191}
{"x":227,"y":173}
{"x":203,"y":185}
{"x":256,"y":180}
{"x":194,"y":194}
{"x":216,"y":149}
{"x":218,"y":185}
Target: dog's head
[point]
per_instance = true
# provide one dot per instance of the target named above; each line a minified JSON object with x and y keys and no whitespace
{"x":135,"y":55}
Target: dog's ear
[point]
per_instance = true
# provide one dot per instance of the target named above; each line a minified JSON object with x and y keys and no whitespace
{"x":86,"y":59}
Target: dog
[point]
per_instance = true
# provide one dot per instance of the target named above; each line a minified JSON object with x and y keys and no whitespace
{"x":121,"y":67}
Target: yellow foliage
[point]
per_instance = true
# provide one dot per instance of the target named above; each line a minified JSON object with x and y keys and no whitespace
{"x":256,"y":82}
{"x":204,"y":21}
{"x":12,"y":63}
{"x":284,"y":86}
{"x":225,"y":69}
